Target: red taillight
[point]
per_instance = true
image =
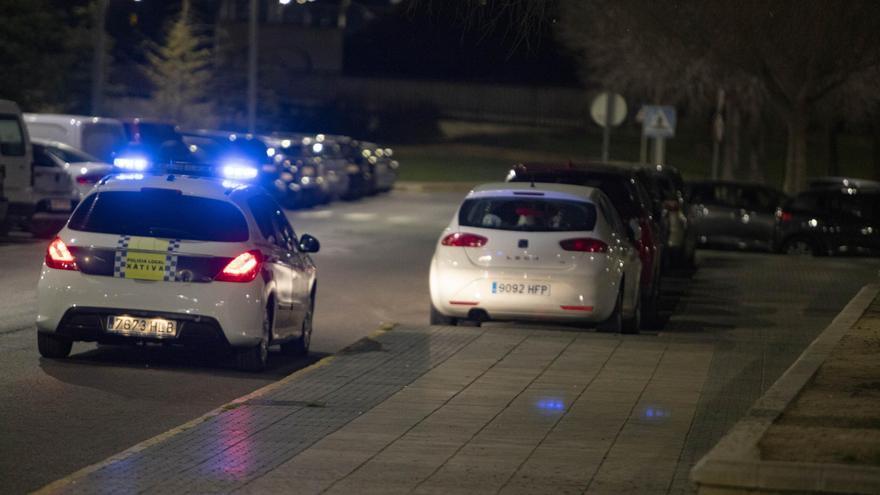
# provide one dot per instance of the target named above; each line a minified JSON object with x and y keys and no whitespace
{"x":243,"y":268}
{"x":88,"y":179}
{"x":59,"y":257}
{"x":460,"y":239}
{"x":584,"y":245}
{"x":785,"y":216}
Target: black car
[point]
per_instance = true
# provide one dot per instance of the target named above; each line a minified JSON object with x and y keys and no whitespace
{"x":736,"y":215}
{"x":830,"y":221}
{"x":623,"y":186}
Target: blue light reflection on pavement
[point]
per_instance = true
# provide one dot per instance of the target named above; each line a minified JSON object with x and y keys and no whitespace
{"x":656,"y":413}
{"x":551,"y":404}
{"x":233,"y":441}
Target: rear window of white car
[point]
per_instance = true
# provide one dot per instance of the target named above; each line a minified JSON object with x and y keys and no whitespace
{"x":528,"y":214}
{"x":160,"y":213}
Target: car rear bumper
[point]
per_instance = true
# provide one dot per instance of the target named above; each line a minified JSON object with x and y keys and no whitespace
{"x":77,"y":305}
{"x":573,"y":295}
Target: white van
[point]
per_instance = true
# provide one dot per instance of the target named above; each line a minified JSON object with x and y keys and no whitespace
{"x":98,"y":136}
{"x":40,"y":197}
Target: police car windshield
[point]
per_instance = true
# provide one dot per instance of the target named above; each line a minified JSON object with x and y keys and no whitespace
{"x":160,"y":213}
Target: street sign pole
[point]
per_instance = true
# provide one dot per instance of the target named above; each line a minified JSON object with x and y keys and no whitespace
{"x":659,"y":151}
{"x":606,"y":132}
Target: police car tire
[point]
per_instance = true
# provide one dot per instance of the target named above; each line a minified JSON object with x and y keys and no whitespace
{"x":54,"y":347}
{"x":300,"y":346}
{"x":255,"y":358}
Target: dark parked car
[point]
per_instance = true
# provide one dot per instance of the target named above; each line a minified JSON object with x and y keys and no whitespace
{"x":734,"y":215}
{"x":634,"y":205}
{"x":376,"y":172}
{"x":830,"y":221}
{"x":159,"y":142}
{"x":248,"y":157}
{"x":312,"y":168}
{"x":842,"y":183}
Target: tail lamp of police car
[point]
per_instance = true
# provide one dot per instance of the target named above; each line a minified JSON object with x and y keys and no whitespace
{"x":243,"y":268}
{"x":59,"y":257}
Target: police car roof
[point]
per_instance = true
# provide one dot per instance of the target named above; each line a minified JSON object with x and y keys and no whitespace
{"x":208,"y":187}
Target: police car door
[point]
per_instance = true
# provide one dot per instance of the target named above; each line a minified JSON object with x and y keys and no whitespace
{"x":277,"y":260}
{"x":299,"y":270}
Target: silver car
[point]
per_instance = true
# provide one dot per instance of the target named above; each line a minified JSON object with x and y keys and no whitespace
{"x":83,"y":168}
{"x":521,"y":251}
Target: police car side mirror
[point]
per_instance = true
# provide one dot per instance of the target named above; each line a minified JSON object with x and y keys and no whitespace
{"x":309,"y":244}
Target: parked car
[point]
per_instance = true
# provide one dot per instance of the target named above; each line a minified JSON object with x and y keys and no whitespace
{"x":632,"y":202}
{"x":41,"y":194}
{"x":151,"y":144}
{"x":312,"y":167}
{"x":101,"y":137}
{"x":680,"y":240}
{"x":84,"y":169}
{"x":830,"y":221}
{"x":842,"y":183}
{"x":377,"y":171}
{"x":244,"y":152}
{"x":736,"y":215}
{"x":536,"y":251}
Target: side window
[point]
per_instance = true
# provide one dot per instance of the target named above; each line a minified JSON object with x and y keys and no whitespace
{"x":43,"y":159}
{"x":286,"y":235}
{"x":11,"y":136}
{"x":263,"y":216}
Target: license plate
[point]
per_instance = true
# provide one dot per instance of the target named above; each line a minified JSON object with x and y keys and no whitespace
{"x":516,"y":288}
{"x":59,"y":205}
{"x":145,"y":327}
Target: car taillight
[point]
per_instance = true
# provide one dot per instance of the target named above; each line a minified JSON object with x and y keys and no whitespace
{"x":584,"y":245}
{"x":460,"y":239}
{"x":243,"y":268}
{"x":59,"y":257}
{"x":88,"y":179}
{"x":785,"y":216}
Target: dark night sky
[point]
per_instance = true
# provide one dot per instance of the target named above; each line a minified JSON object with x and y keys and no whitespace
{"x":397,"y":42}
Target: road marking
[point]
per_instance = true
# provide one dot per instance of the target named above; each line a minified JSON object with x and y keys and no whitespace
{"x":57,"y":485}
{"x":360,"y":217}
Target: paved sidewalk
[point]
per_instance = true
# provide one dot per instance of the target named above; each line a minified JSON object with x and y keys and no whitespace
{"x":441,"y":409}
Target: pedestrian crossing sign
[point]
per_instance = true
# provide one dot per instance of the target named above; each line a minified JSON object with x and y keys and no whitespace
{"x":658,"y":121}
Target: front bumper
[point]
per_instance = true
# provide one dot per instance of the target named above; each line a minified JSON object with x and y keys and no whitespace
{"x":69,"y":301}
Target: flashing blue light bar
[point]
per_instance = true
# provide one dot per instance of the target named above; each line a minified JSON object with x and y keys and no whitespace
{"x":238,"y":171}
{"x":135,"y":163}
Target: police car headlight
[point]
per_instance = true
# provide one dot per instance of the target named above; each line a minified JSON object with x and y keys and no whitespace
{"x":135,"y":163}
{"x":239,"y":172}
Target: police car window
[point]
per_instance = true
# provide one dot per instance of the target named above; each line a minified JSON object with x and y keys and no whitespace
{"x":160,"y":213}
{"x":528,"y":214}
{"x":286,"y":236}
{"x":262,"y":211}
{"x":11,"y":137}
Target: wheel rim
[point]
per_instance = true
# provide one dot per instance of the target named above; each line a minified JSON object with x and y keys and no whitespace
{"x":799,"y":248}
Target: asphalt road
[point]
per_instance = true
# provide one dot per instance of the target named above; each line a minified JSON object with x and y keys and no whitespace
{"x":759,"y":311}
{"x":59,"y":416}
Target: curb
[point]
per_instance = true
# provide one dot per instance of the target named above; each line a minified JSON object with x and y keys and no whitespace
{"x":72,"y":478}
{"x":734,"y":464}
{"x":427,"y":187}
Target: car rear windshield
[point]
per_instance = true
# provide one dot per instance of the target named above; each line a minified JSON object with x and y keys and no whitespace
{"x":527,"y":214}
{"x":160,"y":213}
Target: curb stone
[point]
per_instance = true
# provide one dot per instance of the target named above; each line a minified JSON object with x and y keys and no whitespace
{"x":734,"y":464}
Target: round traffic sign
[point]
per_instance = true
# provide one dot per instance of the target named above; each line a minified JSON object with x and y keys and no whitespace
{"x":599,"y":109}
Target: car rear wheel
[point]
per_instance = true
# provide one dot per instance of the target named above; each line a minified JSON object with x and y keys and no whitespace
{"x":300,"y":346}
{"x":614,"y":323}
{"x":800,"y":246}
{"x":256,"y":358}
{"x":438,"y":318}
{"x":53,"y":346}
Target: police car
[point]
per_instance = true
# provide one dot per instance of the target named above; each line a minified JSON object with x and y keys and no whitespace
{"x":183,"y":259}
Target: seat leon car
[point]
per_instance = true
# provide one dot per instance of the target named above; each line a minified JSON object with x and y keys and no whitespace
{"x":552,"y":252}
{"x":178,"y":259}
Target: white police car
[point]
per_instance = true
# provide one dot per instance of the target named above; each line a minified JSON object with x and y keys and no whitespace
{"x":178,"y":259}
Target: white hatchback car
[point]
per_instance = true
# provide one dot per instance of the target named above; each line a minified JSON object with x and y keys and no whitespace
{"x":525,"y":251}
{"x":178,"y":259}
